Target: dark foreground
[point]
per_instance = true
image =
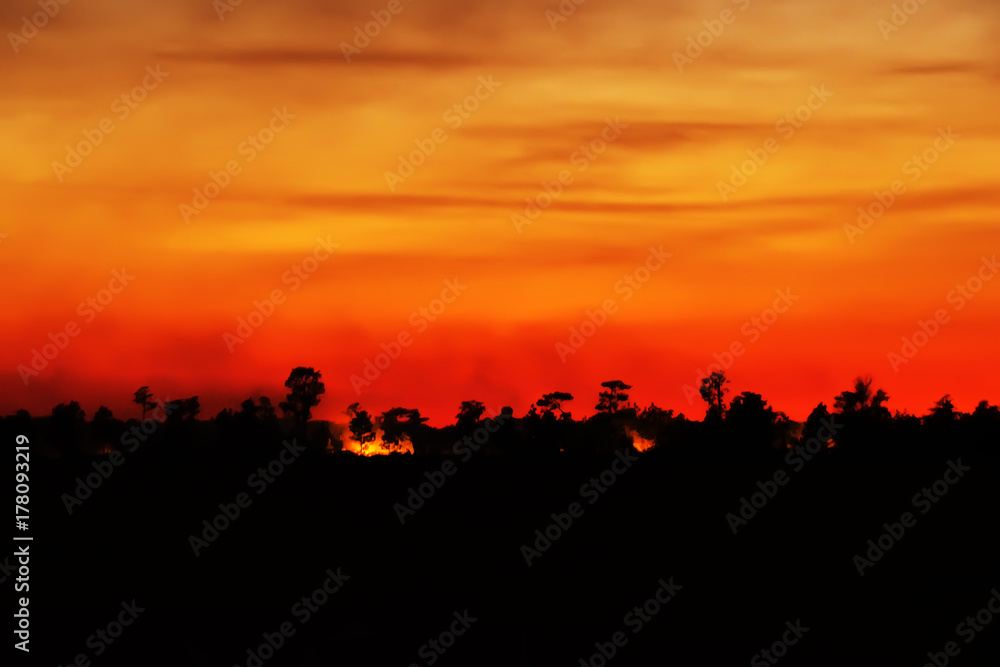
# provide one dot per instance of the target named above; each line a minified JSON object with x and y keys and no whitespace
{"x":787,"y":582}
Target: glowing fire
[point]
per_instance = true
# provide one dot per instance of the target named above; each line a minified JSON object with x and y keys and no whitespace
{"x":375,"y":447}
{"x":639,"y":442}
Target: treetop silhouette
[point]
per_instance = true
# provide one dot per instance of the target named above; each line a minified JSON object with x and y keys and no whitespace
{"x":469,"y":414}
{"x":554,"y":401}
{"x":144,"y":398}
{"x":713,"y":390}
{"x":614,"y":397}
{"x":305,"y":389}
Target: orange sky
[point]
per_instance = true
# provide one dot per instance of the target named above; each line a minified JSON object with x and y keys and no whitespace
{"x":553,"y":91}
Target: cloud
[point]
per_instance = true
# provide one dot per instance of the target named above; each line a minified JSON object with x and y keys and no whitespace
{"x":924,"y":69}
{"x":261,"y":57}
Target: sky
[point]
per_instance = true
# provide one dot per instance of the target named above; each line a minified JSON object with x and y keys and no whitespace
{"x":661,"y":177}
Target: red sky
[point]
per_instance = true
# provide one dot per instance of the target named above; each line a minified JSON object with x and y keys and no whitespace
{"x":886,"y":97}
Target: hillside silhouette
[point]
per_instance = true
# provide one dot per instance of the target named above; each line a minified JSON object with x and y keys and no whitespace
{"x":741,"y":428}
{"x":871,"y":529}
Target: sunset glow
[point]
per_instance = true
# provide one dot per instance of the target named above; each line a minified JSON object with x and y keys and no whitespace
{"x":490,"y":203}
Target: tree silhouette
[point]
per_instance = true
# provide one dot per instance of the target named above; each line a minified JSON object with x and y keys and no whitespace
{"x":66,"y":422}
{"x":986,"y":412}
{"x":253,"y":428}
{"x":251,"y":411}
{"x":753,"y":421}
{"x":943,"y":412}
{"x":861,"y":398}
{"x":944,"y":408}
{"x":248,"y":409}
{"x":469,"y":414}
{"x":70,"y":412}
{"x":399,"y":424}
{"x":183,"y":409}
{"x":819,"y":419}
{"x":554,"y":401}
{"x":22,"y":423}
{"x":655,"y":415}
{"x":266,"y":411}
{"x":713,"y":391}
{"x":746,"y":429}
{"x":613,"y":397}
{"x":749,"y":405}
{"x":867,"y":422}
{"x":361,"y":426}
{"x":861,"y":403}
{"x":145,"y":399}
{"x":305,"y":389}
{"x":878,"y":399}
{"x":102,"y":426}
{"x":852,"y":401}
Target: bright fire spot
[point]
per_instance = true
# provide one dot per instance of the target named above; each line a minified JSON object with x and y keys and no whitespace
{"x":639,"y":442}
{"x":375,"y":447}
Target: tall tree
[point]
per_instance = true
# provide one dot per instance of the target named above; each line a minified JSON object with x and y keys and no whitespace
{"x":102,"y":426}
{"x":469,"y":414}
{"x":553,"y":401}
{"x":862,"y":400}
{"x":65,"y":424}
{"x":144,"y":398}
{"x":857,"y":399}
{"x":250,"y":411}
{"x":613,"y":397}
{"x":654,"y":414}
{"x":399,"y":424}
{"x":361,"y":426}
{"x":70,"y":412}
{"x":749,"y":405}
{"x":183,"y":409}
{"x":943,"y":411}
{"x":266,"y":410}
{"x":983,"y":412}
{"x":305,"y":388}
{"x":751,"y":420}
{"x":818,"y":422}
{"x":713,"y":391}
